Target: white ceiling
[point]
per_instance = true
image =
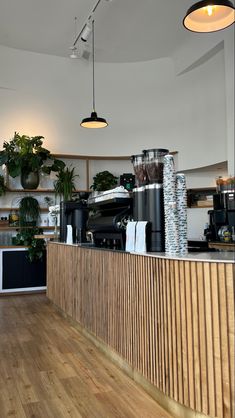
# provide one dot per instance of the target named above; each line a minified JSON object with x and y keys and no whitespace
{"x":126,"y":30}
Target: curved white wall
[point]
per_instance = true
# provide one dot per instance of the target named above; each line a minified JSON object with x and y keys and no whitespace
{"x":146,"y":105}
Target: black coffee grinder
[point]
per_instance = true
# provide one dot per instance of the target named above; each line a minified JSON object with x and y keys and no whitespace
{"x":74,"y":214}
{"x":154,"y":197}
{"x":148,"y":202}
{"x":138,"y":162}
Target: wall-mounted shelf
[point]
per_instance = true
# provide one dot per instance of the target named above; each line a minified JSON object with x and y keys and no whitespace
{"x":13,"y":228}
{"x":9,"y":209}
{"x":41,"y":191}
{"x":200,"y":197}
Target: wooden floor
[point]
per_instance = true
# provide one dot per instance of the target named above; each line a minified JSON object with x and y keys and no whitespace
{"x":49,"y":370}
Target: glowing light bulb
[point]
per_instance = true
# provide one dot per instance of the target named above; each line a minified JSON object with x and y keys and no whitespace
{"x":209,"y":10}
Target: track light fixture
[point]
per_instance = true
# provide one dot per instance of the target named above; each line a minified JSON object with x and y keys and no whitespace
{"x":86,"y":32}
{"x":93,"y":121}
{"x":73,"y":48}
{"x":209,"y":16}
{"x":73,"y":53}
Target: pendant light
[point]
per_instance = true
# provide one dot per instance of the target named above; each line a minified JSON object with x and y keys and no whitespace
{"x":93,"y":121}
{"x":209,"y":16}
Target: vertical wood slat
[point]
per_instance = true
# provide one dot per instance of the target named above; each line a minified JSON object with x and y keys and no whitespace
{"x":196,"y":338}
{"x":223,"y":309}
{"x":171,"y":320}
{"x":178,"y":332}
{"x":202,"y":338}
{"x":184,"y":334}
{"x":209,"y":340}
{"x":174,"y":337}
{"x":217,"y":340}
{"x":190,"y":342}
{"x":230,"y":278}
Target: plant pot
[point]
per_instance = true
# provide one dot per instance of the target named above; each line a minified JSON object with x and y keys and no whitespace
{"x":29,"y":180}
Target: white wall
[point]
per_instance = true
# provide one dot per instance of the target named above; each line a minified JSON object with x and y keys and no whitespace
{"x":146,"y":104}
{"x":185,"y":104}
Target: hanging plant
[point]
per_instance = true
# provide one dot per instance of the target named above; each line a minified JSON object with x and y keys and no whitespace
{"x":29,"y":211}
{"x":36,"y":247}
{"x":3,"y":188}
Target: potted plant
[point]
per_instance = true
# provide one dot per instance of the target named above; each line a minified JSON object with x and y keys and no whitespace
{"x":103,"y":180}
{"x":2,"y":185}
{"x":29,"y":211}
{"x":65,"y":184}
{"x":36,"y":247}
{"x":25,"y":156}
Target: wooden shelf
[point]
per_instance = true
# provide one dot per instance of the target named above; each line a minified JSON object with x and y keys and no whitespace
{"x":99,"y":157}
{"x":13,"y":228}
{"x":16,"y":208}
{"x":200,"y":195}
{"x":42,"y":191}
{"x":227,"y":246}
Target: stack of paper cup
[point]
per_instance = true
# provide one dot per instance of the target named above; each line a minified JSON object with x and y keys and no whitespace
{"x":181,"y":203}
{"x":170,"y":206}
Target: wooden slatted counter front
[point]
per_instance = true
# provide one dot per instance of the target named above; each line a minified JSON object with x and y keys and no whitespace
{"x":168,"y":322}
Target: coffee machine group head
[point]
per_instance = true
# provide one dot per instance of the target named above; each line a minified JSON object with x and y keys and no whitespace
{"x":76,"y":215}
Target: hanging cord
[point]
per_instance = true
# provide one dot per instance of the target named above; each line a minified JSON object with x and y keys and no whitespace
{"x":93,"y":62}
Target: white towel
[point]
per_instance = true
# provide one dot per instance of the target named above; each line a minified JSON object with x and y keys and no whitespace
{"x":140,"y":237}
{"x":69,"y":239}
{"x":130,"y":236}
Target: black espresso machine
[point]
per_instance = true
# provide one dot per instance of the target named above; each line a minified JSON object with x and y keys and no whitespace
{"x":107,"y":221}
{"x":222,"y":217}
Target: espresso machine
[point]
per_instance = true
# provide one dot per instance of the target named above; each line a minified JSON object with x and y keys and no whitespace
{"x":148,"y":204}
{"x":75,"y":214}
{"x":107,"y":221}
{"x":222,"y":217}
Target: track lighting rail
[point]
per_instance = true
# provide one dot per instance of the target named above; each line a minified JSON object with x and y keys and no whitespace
{"x":87,"y":21}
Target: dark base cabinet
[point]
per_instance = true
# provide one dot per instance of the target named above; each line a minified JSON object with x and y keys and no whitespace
{"x":18,"y":272}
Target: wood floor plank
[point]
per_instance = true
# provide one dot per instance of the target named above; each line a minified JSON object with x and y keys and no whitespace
{"x":50,"y":370}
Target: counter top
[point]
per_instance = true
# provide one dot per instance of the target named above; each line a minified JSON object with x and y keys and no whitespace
{"x":214,"y":256}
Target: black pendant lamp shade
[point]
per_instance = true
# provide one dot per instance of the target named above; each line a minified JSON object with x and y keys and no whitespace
{"x":209,"y":16}
{"x":94,"y":121}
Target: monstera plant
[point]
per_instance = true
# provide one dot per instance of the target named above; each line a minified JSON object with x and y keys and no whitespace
{"x":26,"y":157}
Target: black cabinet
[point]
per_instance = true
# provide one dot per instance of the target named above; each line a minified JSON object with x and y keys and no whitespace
{"x":18,"y":272}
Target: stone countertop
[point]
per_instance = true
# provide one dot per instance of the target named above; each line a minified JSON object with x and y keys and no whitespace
{"x":214,"y":256}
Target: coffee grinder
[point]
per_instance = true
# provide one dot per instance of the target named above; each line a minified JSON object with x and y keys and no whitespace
{"x":148,"y":204}
{"x":138,"y":162}
{"x":154,"y":208}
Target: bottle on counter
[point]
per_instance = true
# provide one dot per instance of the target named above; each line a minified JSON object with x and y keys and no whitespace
{"x":219,"y":184}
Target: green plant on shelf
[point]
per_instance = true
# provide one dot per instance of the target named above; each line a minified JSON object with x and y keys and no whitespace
{"x":24,"y":154}
{"x":36,"y":247}
{"x":65,"y":184}
{"x":103,"y":181}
